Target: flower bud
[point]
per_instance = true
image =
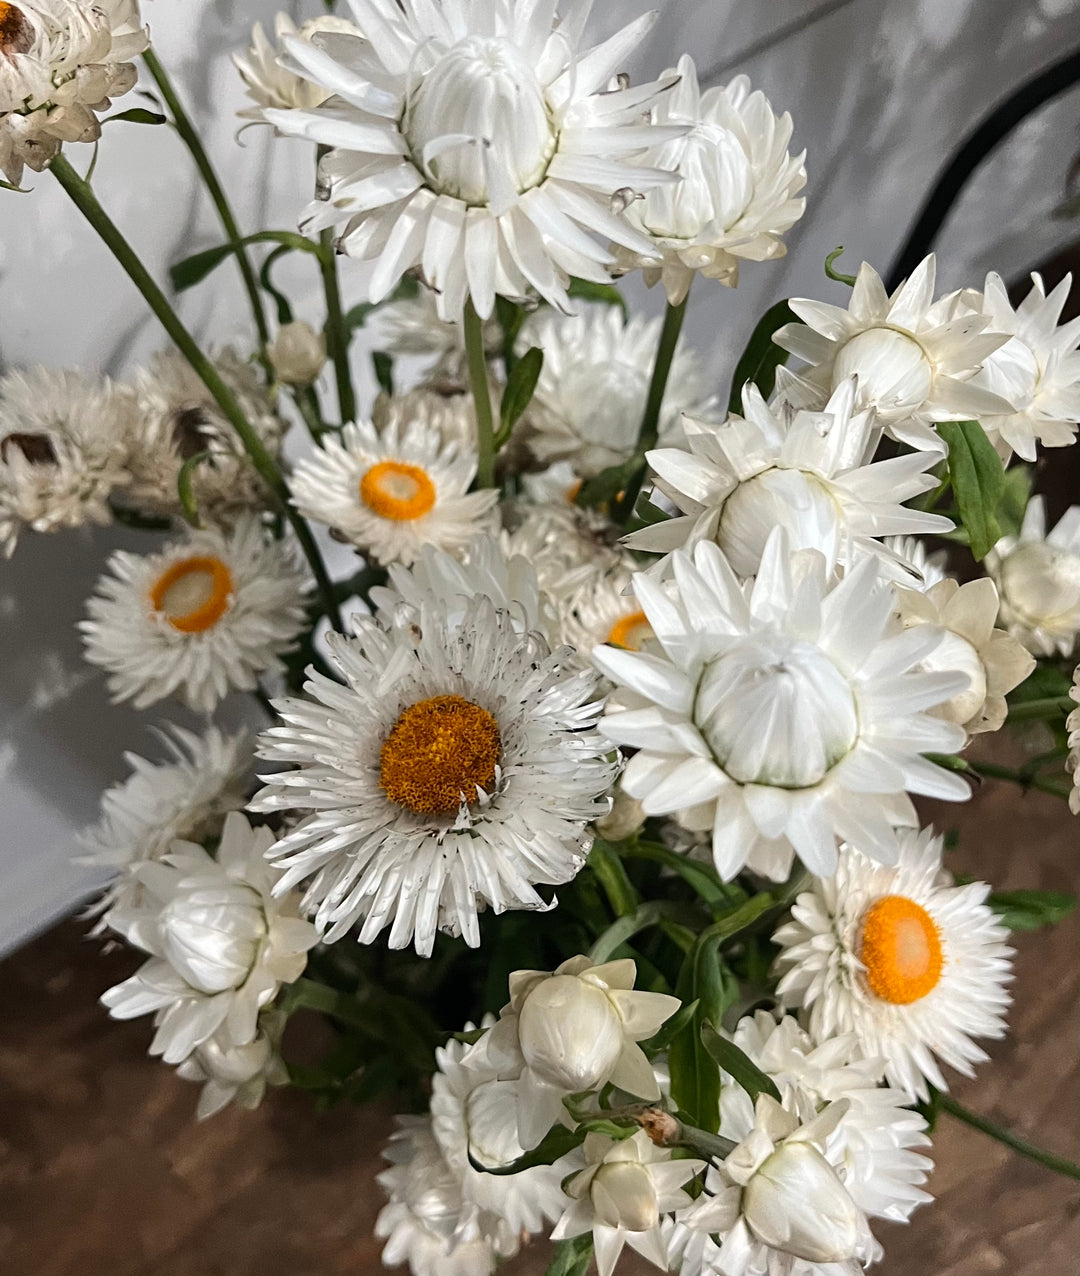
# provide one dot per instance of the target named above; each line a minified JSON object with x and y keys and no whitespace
{"x":623,"y":1195}
{"x":796,"y":1203}
{"x":625,"y":817}
{"x":211,"y":938}
{"x":1040,"y":584}
{"x":895,"y":376}
{"x":297,"y":353}
{"x":791,"y":499}
{"x":570,"y":1033}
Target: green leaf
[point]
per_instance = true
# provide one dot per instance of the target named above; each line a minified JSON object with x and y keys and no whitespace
{"x":572,"y":1258}
{"x":586,"y":290}
{"x":356,"y":316}
{"x":557,"y":1142}
{"x":702,"y":878}
{"x":19,"y":190}
{"x":671,"y":1028}
{"x":1031,"y":910}
{"x":520,"y":387}
{"x":384,"y":370}
{"x":284,"y":307}
{"x":192,"y":270}
{"x":977,"y":479}
{"x":835,"y":274}
{"x":510,"y":317}
{"x":762,"y":356}
{"x":184,"y":487}
{"x":1015,"y":495}
{"x":738,"y":1064}
{"x":695,"y":1078}
{"x":605,"y":863}
{"x":137,"y":115}
{"x":625,"y":928}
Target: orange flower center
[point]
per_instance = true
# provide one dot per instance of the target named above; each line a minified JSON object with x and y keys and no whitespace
{"x":901,"y":950}
{"x":631,"y":632}
{"x":16,"y":33}
{"x":436,"y":754}
{"x":194,"y":593}
{"x":395,"y":490}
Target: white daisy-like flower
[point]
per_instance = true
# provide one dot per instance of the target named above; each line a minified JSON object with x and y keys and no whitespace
{"x":911,"y":966}
{"x":427,"y":1223}
{"x":590,"y":397}
{"x":458,"y":768}
{"x":739,"y":189}
{"x":1037,"y":370}
{"x":993,"y":660}
{"x":567,"y":545}
{"x":61,"y":61}
{"x":915,"y":358}
{"x":237,"y":1074}
{"x":1038,"y":577}
{"x":207,"y":615}
{"x":604,"y":610}
{"x":186,"y":797}
{"x":572,"y":1029}
{"x":627,"y":1185}
{"x":178,"y":418}
{"x":778,"y":1203}
{"x":64,"y":440}
{"x":268,"y":83}
{"x":784,"y":713}
{"x":472,"y":140}
{"x":474,"y":1114}
{"x":220,"y":943}
{"x":1072,"y":726}
{"x":390,"y":492}
{"x":808,"y":472}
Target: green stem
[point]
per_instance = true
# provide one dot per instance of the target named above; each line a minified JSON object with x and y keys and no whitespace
{"x":485,"y":423}
{"x":611,"y":875}
{"x":86,"y":202}
{"x":650,"y":422}
{"x":1050,"y":707}
{"x":1056,"y":1163}
{"x":337,"y":342}
{"x":308,"y":994}
{"x":192,"y":141}
{"x":307,"y":404}
{"x":994,"y":772}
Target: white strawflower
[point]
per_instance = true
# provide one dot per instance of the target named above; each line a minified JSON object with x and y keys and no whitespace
{"x":777,"y":1198}
{"x":916,"y":566}
{"x":268,"y":83}
{"x":739,"y":187}
{"x":474,"y":1114}
{"x":63,"y":450}
{"x":457,"y":768}
{"x":426,"y":1222}
{"x":911,"y":966}
{"x":915,"y":358}
{"x":178,"y":418}
{"x":1072,"y":725}
{"x":206,"y":615}
{"x":390,"y":492}
{"x":784,"y":714}
{"x":621,"y":1195}
{"x":1038,"y":577}
{"x":443,"y":408}
{"x":603,"y":609}
{"x":411,"y":325}
{"x":186,"y":797}
{"x":994,"y":661}
{"x":808,"y":472}
{"x":590,"y":397}
{"x":472,"y":140}
{"x":1037,"y":370}
{"x":568,"y":546}
{"x":237,"y":1074}
{"x":574,"y":1029}
{"x":297,"y":353}
{"x":61,"y":61}
{"x":220,"y":944}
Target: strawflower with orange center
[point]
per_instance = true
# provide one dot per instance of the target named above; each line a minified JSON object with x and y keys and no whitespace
{"x":194,"y":593}
{"x":901,"y":950}
{"x":398,"y":491}
{"x":438,"y":754}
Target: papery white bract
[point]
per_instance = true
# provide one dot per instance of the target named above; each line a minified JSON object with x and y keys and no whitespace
{"x":237,"y":1074}
{"x":297,"y":353}
{"x":910,"y":965}
{"x":784,"y":713}
{"x":739,"y":187}
{"x":221,"y":944}
{"x":808,"y":472}
{"x":268,"y":83}
{"x":207,"y":615}
{"x":472,"y":140}
{"x":457,"y":769}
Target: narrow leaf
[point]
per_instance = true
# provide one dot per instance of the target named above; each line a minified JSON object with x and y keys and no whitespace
{"x":184,"y":489}
{"x":762,"y":355}
{"x":670,"y":1030}
{"x":520,"y":387}
{"x":384,"y":370}
{"x":192,"y":270}
{"x":137,"y":115}
{"x":557,"y":1142}
{"x":739,"y":1065}
{"x":623,"y":929}
{"x":1031,"y":910}
{"x":703,"y":878}
{"x":978,"y":481}
{"x":572,"y":1258}
{"x":695,"y":1078}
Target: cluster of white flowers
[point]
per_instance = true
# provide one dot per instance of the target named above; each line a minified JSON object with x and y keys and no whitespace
{"x":541,"y":680}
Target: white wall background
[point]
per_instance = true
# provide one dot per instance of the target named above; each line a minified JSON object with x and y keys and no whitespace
{"x":882,"y":91}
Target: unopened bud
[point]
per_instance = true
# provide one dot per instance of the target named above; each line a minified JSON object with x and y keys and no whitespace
{"x":297,"y":353}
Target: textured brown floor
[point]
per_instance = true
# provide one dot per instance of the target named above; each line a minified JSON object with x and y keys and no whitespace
{"x":103,"y":1171}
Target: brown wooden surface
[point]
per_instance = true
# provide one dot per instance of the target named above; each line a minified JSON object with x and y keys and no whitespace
{"x":104,"y":1172}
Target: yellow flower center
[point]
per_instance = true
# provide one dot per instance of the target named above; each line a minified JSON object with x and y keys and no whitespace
{"x":396,"y":490}
{"x":631,"y":632}
{"x":16,"y":33}
{"x":901,"y":950}
{"x":436,"y":754}
{"x":193,"y":594}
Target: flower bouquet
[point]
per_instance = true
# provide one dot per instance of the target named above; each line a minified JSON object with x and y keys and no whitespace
{"x":584,"y":812}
